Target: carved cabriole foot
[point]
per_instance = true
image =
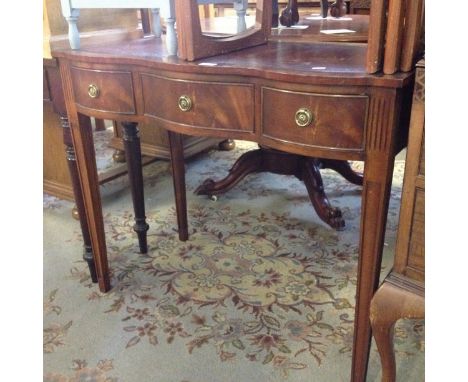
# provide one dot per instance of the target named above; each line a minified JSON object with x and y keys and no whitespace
{"x":289,"y":15}
{"x":131,"y":141}
{"x":80,"y":211}
{"x":304,"y":168}
{"x":395,"y":299}
{"x":313,"y":181}
{"x":227,"y":145}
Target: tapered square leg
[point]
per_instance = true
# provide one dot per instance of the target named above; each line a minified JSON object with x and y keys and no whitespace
{"x":178,"y":176}
{"x":78,"y":195}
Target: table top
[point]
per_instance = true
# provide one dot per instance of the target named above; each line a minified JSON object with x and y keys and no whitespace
{"x":311,"y":27}
{"x":316,"y":62}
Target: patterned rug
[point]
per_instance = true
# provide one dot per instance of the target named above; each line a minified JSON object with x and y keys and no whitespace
{"x":263,"y":290}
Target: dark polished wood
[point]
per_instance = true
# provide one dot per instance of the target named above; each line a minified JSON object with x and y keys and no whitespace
{"x":194,"y":45}
{"x":72,"y":167}
{"x":402,"y":292}
{"x":178,"y":176}
{"x":272,"y":71}
{"x":133,"y":155}
{"x":357,"y":23}
{"x":338,"y":8}
{"x":53,"y":93}
{"x":305,"y":169}
{"x":289,"y":15}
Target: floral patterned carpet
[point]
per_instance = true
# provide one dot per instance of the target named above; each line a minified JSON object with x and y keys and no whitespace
{"x":262,"y":290}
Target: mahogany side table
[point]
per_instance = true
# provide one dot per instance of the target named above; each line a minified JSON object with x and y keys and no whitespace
{"x":270,"y":94}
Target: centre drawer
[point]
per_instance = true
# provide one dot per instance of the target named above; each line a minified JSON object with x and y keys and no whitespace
{"x":325,"y":121}
{"x":104,"y":90}
{"x":206,"y":105}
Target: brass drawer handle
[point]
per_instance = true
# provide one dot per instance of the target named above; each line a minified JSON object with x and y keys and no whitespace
{"x":93,"y":91}
{"x":185,"y":103}
{"x":304,"y":117}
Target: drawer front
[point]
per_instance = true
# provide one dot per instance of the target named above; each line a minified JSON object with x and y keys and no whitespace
{"x":336,"y":121}
{"x":208,"y":105}
{"x":102,"y":90}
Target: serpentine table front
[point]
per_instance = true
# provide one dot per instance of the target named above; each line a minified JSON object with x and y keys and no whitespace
{"x":310,"y":99}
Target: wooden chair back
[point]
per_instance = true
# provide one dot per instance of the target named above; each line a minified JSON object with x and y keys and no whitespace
{"x":395,"y":30}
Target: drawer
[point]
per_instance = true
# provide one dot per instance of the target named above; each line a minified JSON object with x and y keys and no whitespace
{"x":102,"y":90}
{"x":314,"y":120}
{"x":207,"y":105}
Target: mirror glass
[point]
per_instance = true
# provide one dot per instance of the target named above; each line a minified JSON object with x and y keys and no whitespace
{"x":224,"y":18}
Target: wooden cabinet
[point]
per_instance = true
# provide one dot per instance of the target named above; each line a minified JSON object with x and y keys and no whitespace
{"x":402,"y":293}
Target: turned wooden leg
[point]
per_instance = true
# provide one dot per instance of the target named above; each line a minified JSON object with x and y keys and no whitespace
{"x":131,"y":141}
{"x":338,"y":8}
{"x":343,"y":168}
{"x":289,"y":15}
{"x":313,"y":181}
{"x":178,"y":176}
{"x":227,"y":145}
{"x":390,"y":303}
{"x":73,"y":169}
{"x":324,"y":8}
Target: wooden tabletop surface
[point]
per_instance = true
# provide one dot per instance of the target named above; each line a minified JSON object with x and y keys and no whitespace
{"x":311,"y":27}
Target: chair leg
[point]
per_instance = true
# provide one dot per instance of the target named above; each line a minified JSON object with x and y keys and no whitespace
{"x":389,"y":304}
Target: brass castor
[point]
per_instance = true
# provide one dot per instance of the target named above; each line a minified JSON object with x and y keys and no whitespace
{"x":227,"y":145}
{"x":119,"y":156}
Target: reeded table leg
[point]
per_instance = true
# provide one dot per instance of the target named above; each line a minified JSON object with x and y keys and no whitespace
{"x":378,"y":173}
{"x":131,"y":141}
{"x":178,"y":176}
{"x":73,"y":169}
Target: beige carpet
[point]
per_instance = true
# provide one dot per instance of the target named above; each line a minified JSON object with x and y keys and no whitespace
{"x":262,"y":291}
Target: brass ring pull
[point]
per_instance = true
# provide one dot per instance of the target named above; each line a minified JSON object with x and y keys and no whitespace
{"x":185,"y":103}
{"x":93,"y":91}
{"x":304,"y":117}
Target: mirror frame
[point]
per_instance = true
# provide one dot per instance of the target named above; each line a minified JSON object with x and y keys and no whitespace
{"x":193,"y":44}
